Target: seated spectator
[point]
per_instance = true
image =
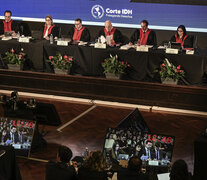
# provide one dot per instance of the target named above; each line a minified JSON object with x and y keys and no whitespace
{"x":179,"y":171}
{"x":93,"y":168}
{"x":61,"y":169}
{"x":133,"y":172}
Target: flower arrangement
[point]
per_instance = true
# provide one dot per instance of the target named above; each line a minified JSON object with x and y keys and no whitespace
{"x":61,"y":62}
{"x":15,"y":58}
{"x":169,"y":71}
{"x":112,"y":65}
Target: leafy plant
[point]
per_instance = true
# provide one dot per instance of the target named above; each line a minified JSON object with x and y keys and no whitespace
{"x":112,"y":65}
{"x":61,"y":62}
{"x":15,"y":58}
{"x":169,"y":71}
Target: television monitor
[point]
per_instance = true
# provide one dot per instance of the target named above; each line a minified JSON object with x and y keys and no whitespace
{"x":134,"y":120}
{"x":17,"y":133}
{"x":153,"y":149}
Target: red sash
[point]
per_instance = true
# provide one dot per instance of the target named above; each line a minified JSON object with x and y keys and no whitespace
{"x":180,"y":40}
{"x":110,"y":33}
{"x":7,"y":25}
{"x":143,"y":36}
{"x":77,"y":34}
{"x":49,"y":30}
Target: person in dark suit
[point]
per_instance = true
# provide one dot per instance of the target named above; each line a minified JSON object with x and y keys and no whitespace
{"x":182,"y":37}
{"x":79,"y":32}
{"x":147,"y":152}
{"x":133,"y":172}
{"x":93,"y":168}
{"x":8,"y":24}
{"x":111,"y":33}
{"x":61,"y":170}
{"x":49,"y":28}
{"x":14,"y":135}
{"x":144,"y":35}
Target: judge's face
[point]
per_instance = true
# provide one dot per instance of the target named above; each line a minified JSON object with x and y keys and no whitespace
{"x":78,"y":24}
{"x":7,"y":16}
{"x":144,"y":26}
{"x":48,"y":21}
{"x":180,"y":32}
{"x":108,"y":26}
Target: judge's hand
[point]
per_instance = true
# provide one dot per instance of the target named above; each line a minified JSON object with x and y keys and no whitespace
{"x":112,"y":42}
{"x":47,"y":38}
{"x":14,"y":34}
{"x":130,"y":43}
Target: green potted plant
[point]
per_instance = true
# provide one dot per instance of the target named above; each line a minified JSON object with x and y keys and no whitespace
{"x":169,"y":73}
{"x":15,"y":60}
{"x":114,"y":68}
{"x":61,"y":64}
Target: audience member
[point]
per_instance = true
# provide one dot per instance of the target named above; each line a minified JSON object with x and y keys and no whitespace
{"x":61,"y":170}
{"x":133,"y":172}
{"x":179,"y":171}
{"x":144,"y":35}
{"x":8,"y":24}
{"x":113,"y":35}
{"x":182,"y":37}
{"x":79,"y":32}
{"x":93,"y":168}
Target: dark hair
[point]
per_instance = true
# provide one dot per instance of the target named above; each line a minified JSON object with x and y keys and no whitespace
{"x":65,"y":154}
{"x":184,"y":30}
{"x":145,"y":21}
{"x":78,"y":19}
{"x":50,"y":17}
{"x":179,"y":170}
{"x":135,"y":163}
{"x":95,"y":161}
{"x":148,"y":141}
{"x":7,"y":11}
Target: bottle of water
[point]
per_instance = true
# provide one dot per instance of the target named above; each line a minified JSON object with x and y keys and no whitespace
{"x":51,"y":39}
{"x":169,"y":44}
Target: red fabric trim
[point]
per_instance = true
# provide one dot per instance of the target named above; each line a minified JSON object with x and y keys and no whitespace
{"x":110,"y":33}
{"x":180,"y":40}
{"x":49,"y":30}
{"x":77,"y":34}
{"x":143,"y":36}
{"x":7,"y":26}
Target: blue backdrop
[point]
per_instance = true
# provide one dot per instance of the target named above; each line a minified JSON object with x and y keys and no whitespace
{"x":121,"y":12}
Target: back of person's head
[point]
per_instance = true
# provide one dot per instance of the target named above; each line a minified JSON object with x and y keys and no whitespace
{"x":95,"y":161}
{"x":135,"y":163}
{"x":179,"y":170}
{"x":65,"y":154}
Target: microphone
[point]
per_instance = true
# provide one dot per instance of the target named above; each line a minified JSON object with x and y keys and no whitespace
{"x":2,"y":152}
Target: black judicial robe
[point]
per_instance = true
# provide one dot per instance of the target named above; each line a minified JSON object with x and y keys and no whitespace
{"x":118,"y":37}
{"x":54,"y":31}
{"x":188,"y":42}
{"x":14,"y":26}
{"x":151,"y":40}
{"x":85,"y":36}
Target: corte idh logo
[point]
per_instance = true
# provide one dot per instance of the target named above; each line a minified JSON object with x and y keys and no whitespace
{"x":97,"y":11}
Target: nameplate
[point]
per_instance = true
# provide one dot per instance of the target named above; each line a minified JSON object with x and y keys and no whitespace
{"x":6,"y":38}
{"x":189,"y":51}
{"x":62,"y":43}
{"x":100,"y":45}
{"x":153,"y":163}
{"x":142,"y":48}
{"x":24,"y":39}
{"x":171,"y":51}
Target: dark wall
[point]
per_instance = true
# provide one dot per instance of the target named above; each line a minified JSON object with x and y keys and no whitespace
{"x":162,"y":35}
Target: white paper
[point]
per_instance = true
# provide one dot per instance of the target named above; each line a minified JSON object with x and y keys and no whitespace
{"x":165,"y":176}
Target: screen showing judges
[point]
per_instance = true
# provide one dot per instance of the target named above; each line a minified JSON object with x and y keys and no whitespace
{"x":17,"y":133}
{"x":152,"y":149}
{"x":122,"y":13}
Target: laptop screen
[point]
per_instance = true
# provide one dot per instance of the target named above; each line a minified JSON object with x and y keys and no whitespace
{"x":17,"y":133}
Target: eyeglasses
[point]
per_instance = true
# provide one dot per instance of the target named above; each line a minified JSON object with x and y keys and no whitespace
{"x":180,"y":31}
{"x":48,"y":19}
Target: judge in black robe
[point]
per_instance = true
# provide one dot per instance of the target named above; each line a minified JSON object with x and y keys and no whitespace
{"x":84,"y":32}
{"x":151,"y":39}
{"x":14,"y":24}
{"x":117,"y":35}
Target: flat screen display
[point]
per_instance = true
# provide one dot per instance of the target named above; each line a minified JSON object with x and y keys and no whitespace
{"x":153,"y":149}
{"x":17,"y":133}
{"x":122,"y":13}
